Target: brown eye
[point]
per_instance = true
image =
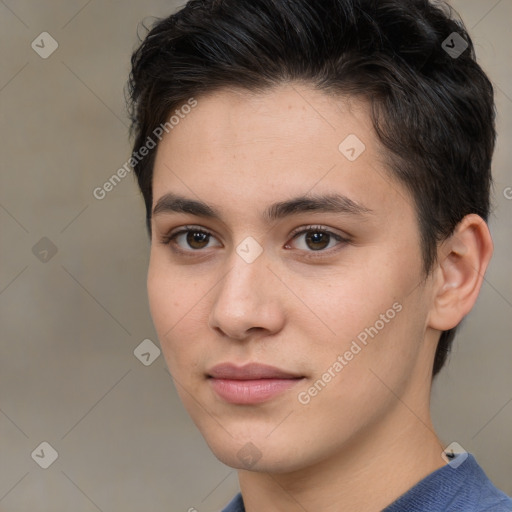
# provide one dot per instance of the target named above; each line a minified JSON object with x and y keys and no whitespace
{"x":197,"y":239}
{"x":317,"y":240}
{"x":190,"y":239}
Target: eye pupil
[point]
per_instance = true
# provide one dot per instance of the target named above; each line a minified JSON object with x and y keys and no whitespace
{"x":195,"y":238}
{"x":315,"y":238}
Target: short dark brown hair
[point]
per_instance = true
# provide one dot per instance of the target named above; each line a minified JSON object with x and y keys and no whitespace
{"x":432,"y":109}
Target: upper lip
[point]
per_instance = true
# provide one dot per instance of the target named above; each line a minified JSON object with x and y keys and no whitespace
{"x":251,"y":371}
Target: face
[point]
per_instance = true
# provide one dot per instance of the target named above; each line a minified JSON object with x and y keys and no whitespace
{"x":285,"y":278}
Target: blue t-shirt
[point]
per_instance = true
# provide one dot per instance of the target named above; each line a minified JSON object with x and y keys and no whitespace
{"x":456,"y":487}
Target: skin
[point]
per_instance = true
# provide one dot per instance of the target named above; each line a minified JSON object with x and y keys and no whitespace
{"x":367,"y":436}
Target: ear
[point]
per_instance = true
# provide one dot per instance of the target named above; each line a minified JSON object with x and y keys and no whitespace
{"x":462,"y":261}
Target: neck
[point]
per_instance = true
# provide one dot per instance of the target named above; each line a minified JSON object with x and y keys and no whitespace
{"x":366,"y":474}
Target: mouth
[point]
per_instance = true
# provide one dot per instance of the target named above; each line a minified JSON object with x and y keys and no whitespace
{"x":250,"y":384}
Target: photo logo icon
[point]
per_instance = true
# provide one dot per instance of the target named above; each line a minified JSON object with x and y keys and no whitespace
{"x":44,"y":250}
{"x":454,"y":454}
{"x":146,"y":352}
{"x":249,"y":249}
{"x":44,"y":45}
{"x":45,"y":455}
{"x":351,"y":147}
{"x":249,"y":455}
{"x":454,"y":45}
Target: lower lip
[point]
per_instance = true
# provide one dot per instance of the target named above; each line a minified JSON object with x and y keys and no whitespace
{"x":250,"y":391}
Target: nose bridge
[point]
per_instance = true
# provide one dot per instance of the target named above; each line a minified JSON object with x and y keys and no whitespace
{"x":245,"y":284}
{"x":245,"y":297}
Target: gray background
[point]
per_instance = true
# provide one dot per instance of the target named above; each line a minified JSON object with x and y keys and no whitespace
{"x":70,"y":325}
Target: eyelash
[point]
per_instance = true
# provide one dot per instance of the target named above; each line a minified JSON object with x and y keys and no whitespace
{"x":169,"y":240}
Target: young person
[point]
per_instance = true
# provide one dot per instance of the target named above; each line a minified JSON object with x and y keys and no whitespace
{"x":316,"y":176}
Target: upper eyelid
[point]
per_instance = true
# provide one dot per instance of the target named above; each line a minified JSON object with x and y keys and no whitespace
{"x":185,"y":229}
{"x":296,"y":232}
{"x":317,"y":227}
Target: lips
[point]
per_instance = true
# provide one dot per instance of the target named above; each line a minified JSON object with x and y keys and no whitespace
{"x":249,"y":371}
{"x":250,"y":384}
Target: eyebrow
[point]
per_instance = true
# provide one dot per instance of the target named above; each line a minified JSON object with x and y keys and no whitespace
{"x":329,"y":203}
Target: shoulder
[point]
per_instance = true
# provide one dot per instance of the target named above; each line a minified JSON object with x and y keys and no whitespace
{"x":487,"y":497}
{"x":235,"y":505}
{"x":492,"y":499}
{"x":460,"y":485}
{"x":503,"y":505}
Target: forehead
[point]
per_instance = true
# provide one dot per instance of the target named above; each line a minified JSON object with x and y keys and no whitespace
{"x":290,"y":114}
{"x":247,"y":148}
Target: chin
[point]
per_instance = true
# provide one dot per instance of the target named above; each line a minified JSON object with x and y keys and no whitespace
{"x":256,"y":453}
{"x":257,"y":462}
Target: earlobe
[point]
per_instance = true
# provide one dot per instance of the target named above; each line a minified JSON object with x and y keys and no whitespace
{"x":462,"y":261}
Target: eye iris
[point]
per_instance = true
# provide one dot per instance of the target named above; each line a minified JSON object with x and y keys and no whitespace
{"x":196,"y":237}
{"x":315,"y":238}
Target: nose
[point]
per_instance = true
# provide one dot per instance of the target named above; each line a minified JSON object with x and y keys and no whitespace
{"x":246,"y":300}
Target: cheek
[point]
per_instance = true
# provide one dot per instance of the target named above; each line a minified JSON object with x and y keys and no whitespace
{"x":171,"y":306}
{"x":162,"y":296}
{"x":391,"y":348}
{"x":172,"y":291}
{"x":364,"y":384}
{"x":372,"y":317}
{"x":349,"y":304}
{"x":180,"y":307}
